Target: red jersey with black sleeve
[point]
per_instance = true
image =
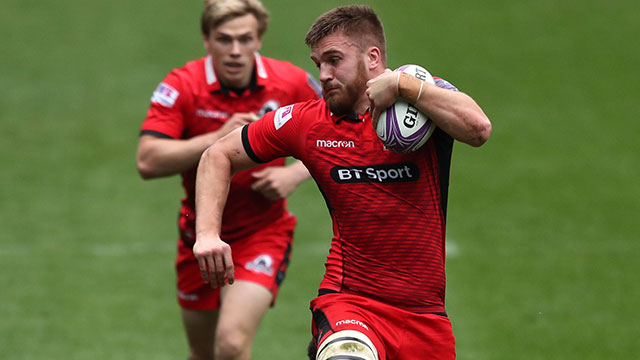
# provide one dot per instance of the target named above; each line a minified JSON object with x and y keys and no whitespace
{"x":190,"y":101}
{"x":388,"y":209}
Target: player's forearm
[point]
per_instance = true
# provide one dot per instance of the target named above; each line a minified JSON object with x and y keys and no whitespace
{"x":212,"y":187}
{"x":164,"y":157}
{"x":454,"y":112}
{"x":299,"y":172}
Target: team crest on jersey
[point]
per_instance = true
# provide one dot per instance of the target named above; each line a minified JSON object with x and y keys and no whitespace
{"x":268,"y":106}
{"x":262,"y":264}
{"x":165,"y":95}
{"x":282,"y":116}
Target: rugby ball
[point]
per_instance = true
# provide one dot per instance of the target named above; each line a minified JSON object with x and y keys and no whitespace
{"x":402,"y":128}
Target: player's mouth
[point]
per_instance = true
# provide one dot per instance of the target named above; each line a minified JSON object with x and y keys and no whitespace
{"x":233,"y":67}
{"x":328,"y":91}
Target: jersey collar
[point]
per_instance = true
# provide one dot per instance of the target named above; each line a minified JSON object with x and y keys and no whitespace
{"x":260,"y":75}
{"x":351,"y":117}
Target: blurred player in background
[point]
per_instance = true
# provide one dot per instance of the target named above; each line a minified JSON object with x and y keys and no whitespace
{"x":192,"y":108}
{"x":382,"y":296}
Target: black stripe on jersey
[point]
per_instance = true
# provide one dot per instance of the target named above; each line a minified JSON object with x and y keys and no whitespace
{"x":157,"y":134}
{"x":444,"y":148}
{"x":247,"y":146}
{"x":346,"y":357}
{"x":326,"y":291}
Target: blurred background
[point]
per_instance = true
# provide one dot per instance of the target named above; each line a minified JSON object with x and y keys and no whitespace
{"x":542,"y":225}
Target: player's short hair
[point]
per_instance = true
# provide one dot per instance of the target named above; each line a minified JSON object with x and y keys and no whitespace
{"x":217,"y":12}
{"x":358,"y":22}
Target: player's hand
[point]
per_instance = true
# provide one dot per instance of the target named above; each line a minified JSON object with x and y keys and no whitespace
{"x":382,"y":92}
{"x":274,"y":183}
{"x":215,"y":261}
{"x":235,"y":121}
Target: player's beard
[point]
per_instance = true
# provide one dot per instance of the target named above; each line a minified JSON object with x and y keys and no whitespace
{"x":346,"y":98}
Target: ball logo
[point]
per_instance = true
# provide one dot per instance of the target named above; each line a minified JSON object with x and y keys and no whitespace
{"x":403,"y":128}
{"x":410,"y":117}
{"x":421,"y":73}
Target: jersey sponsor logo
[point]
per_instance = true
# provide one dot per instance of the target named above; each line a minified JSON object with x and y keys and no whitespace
{"x":384,"y":173}
{"x":282,"y":116}
{"x":188,"y":296}
{"x":212,"y":114}
{"x":262,"y":264}
{"x":352,"y":322}
{"x":165,"y":95}
{"x":335,"y":143}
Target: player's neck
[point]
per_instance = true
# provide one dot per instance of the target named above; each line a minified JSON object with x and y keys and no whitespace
{"x":362,"y":105}
{"x":252,"y":85}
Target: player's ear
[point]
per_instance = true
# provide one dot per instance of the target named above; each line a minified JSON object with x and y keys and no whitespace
{"x":374,"y":58}
{"x":205,"y":42}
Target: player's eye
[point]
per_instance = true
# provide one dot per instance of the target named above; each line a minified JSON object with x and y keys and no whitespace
{"x":224,"y":40}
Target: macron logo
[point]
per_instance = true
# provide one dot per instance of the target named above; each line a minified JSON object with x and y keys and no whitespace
{"x":335,"y":144}
{"x":351,"y":322}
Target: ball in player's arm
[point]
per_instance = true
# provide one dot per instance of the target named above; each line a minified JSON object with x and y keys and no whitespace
{"x":459,"y":120}
{"x":373,"y":300}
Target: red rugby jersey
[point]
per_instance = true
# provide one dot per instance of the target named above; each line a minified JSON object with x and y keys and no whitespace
{"x":190,"y":101}
{"x":388,"y":209}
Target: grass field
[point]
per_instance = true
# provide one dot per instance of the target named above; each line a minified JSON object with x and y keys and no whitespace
{"x":543,"y":225}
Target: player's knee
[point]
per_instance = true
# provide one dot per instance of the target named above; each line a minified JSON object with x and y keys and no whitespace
{"x":231,"y":345}
{"x":353,"y":344}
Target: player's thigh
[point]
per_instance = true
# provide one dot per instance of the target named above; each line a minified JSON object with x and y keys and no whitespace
{"x":242,"y":307}
{"x":200,"y":327}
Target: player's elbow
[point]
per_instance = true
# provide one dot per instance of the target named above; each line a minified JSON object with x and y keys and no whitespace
{"x":479,"y":131}
{"x":149,"y":166}
{"x":209,"y":156}
{"x":146,"y":169}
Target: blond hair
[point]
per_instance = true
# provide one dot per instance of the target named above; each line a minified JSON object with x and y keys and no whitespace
{"x":217,"y":12}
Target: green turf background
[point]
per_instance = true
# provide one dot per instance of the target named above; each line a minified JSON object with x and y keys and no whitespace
{"x":543,"y":219}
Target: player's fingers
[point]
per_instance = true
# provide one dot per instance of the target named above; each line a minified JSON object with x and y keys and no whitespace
{"x":270,"y":194}
{"x":260,"y":173}
{"x":229,"y":270}
{"x":248,"y":117}
{"x":211,"y":273}
{"x":375,"y":116}
{"x":203,"y":269}
{"x":260,"y":185}
{"x":220,"y":270}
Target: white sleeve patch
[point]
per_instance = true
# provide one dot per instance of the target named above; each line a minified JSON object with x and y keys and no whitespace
{"x":282,"y":116}
{"x":165,"y":95}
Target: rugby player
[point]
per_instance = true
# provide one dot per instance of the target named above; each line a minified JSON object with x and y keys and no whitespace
{"x":383,"y":292}
{"x":193,"y":107}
